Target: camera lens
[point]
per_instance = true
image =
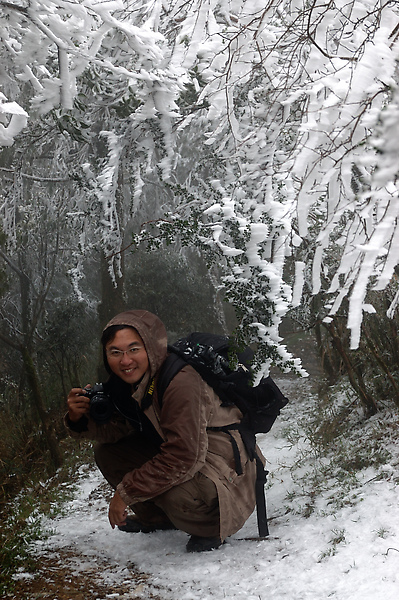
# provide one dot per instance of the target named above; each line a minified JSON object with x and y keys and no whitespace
{"x":101,"y":407}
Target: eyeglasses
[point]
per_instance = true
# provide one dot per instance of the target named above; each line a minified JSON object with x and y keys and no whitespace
{"x":113,"y":353}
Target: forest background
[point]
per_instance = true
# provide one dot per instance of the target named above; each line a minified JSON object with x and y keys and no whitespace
{"x":229,"y":165}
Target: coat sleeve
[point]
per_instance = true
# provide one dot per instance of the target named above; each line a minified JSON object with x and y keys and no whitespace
{"x":109,"y":433}
{"x":185,"y":413}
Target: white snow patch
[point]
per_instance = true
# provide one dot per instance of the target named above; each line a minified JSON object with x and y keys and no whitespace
{"x":348,"y":554}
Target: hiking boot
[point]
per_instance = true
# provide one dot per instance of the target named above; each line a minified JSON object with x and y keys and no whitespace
{"x":203,"y":544}
{"x":134,"y":525}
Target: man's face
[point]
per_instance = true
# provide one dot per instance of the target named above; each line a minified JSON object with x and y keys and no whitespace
{"x":127,"y":356}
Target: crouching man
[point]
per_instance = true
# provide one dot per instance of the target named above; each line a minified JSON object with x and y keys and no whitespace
{"x":163,"y":462}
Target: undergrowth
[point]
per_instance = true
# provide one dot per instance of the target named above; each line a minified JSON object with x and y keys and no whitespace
{"x":21,"y":516}
{"x":337,"y":451}
{"x":335,"y":443}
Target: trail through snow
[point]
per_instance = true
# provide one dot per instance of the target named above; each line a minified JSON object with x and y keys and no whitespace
{"x":350,"y":554}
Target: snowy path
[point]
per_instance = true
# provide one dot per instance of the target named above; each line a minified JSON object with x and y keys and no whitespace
{"x":350,"y":555}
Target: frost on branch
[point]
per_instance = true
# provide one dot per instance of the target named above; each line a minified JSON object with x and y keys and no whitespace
{"x":295,"y":103}
{"x":280,"y":119}
{"x":308,"y":132}
{"x":50,"y":44}
{"x":344,"y":159}
{"x":250,"y":268}
{"x":13,"y":119}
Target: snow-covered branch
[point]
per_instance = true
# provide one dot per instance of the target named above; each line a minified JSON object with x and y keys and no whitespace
{"x":15,"y":119}
{"x":279,"y":120}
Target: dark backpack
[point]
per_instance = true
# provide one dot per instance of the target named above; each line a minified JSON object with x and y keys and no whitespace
{"x":211,"y":355}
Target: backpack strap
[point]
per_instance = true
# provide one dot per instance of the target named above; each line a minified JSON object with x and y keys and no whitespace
{"x":261,"y":514}
{"x":236,"y":451}
{"x":170,"y":367}
{"x":249,"y":439}
{"x":261,"y":474}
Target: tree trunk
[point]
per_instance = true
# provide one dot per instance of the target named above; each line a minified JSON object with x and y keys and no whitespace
{"x":112,"y":301}
{"x":382,"y":364}
{"x":355,"y":377}
{"x":327,"y":363}
{"x":48,"y":431}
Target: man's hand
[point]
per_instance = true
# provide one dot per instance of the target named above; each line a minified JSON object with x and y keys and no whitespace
{"x":117,"y":511}
{"x":78,"y":405}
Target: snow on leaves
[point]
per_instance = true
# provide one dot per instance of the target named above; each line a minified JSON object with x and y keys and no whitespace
{"x":293,"y":104}
{"x":15,"y":118}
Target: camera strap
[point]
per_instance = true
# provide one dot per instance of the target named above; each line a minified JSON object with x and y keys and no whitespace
{"x":147,"y":400}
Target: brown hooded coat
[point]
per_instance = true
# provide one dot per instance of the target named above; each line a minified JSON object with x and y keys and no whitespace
{"x":189,"y":407}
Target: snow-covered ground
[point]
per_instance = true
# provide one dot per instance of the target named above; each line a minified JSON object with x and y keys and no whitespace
{"x":349,"y":552}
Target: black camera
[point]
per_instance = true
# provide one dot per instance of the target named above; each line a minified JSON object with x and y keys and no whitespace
{"x":101,"y":406}
{"x":207,"y":357}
